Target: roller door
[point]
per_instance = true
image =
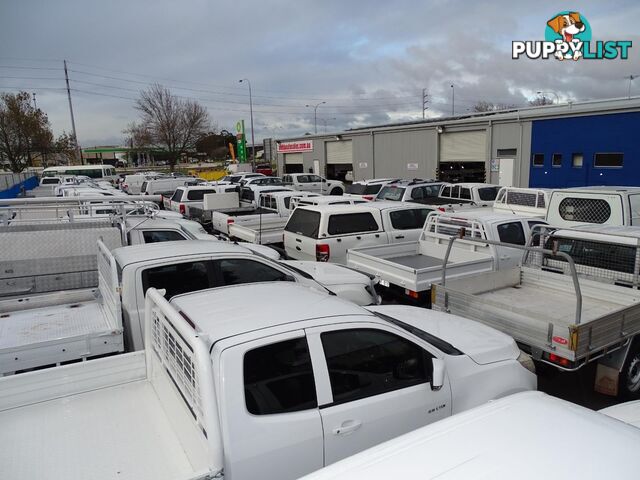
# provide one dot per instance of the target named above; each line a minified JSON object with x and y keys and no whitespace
{"x":339,"y":159}
{"x":463,"y":146}
{"x":293,"y":163}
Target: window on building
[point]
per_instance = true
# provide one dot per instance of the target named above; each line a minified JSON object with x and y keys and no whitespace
{"x":347,"y":223}
{"x":278,"y":378}
{"x":507,"y":152}
{"x":556,"y":160}
{"x":367,"y":362}
{"x":608,"y":160}
{"x":577,"y":160}
{"x":538,"y":160}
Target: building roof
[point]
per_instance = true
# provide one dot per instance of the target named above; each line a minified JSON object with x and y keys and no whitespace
{"x":524,"y":113}
{"x":272,"y":304}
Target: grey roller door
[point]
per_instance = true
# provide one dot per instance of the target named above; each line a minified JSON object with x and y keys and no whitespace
{"x":463,"y":146}
{"x":339,"y":152}
{"x":293,"y":159}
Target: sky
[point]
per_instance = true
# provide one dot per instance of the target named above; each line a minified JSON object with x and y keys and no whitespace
{"x":368,"y":60}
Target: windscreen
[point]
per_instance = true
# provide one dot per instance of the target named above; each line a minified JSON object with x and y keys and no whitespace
{"x":391,"y":192}
{"x":360,"y":189}
{"x":488,"y":193}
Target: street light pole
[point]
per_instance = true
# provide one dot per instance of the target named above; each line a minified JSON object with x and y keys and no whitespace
{"x":253,"y":141}
{"x":315,"y":115}
{"x":453,"y":100}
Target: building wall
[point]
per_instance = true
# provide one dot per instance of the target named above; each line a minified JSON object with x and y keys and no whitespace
{"x":363,"y":164}
{"x":407,"y":154}
{"x":514,"y":135}
{"x":612,"y":133}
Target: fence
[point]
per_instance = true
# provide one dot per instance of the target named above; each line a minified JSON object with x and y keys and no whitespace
{"x":11,"y":184}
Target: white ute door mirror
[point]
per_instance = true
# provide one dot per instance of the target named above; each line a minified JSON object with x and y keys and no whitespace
{"x":437,"y":380}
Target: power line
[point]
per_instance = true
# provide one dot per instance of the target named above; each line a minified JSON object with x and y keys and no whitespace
{"x":17,"y":67}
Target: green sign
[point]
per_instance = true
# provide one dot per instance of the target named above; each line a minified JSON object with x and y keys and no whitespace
{"x":241,"y":142}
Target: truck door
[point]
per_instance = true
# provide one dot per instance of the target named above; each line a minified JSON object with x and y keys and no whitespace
{"x":510,"y":232}
{"x":380,"y":387}
{"x":269,"y":408}
{"x":405,"y":225}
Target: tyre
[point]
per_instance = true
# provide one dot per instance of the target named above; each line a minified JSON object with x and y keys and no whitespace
{"x":629,"y":383}
{"x":336,"y":191}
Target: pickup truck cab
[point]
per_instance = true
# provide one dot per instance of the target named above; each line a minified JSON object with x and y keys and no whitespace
{"x":408,"y":269}
{"x":313,"y":183}
{"x":481,"y":194}
{"x":479,"y":444}
{"x":325,"y":233}
{"x":368,"y":189}
{"x":279,"y":391}
{"x":602,"y":205}
{"x":237,"y":177}
{"x":416,"y":190}
{"x":185,"y":197}
{"x":522,"y":201}
{"x":261,"y":181}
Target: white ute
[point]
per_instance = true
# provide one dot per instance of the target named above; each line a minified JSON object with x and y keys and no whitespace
{"x":274,"y":388}
{"x":503,"y":440}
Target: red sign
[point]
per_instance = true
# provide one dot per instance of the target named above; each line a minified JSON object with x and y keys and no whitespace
{"x":560,"y":340}
{"x":293,"y":147}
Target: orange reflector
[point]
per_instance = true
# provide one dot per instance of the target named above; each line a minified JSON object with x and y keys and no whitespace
{"x":411,"y":293}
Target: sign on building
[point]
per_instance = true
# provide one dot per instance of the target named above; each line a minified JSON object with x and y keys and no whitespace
{"x":295,"y":147}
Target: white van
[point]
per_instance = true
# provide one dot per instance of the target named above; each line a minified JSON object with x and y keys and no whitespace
{"x":325,"y":232}
{"x":96,"y":172}
{"x":507,"y":439}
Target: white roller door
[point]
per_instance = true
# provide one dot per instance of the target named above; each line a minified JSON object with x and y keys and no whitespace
{"x":463,"y":146}
{"x":339,"y":152}
{"x":293,"y":159}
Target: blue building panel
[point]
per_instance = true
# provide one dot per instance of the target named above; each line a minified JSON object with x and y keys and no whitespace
{"x":570,"y":139}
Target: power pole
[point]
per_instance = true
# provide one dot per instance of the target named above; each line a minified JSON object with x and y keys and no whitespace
{"x":425,"y":101}
{"x":73,"y":122}
{"x":35,"y":105}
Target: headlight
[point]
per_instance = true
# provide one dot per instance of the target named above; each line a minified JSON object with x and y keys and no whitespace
{"x":527,"y":362}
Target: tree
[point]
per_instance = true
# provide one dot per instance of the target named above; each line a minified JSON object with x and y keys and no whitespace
{"x":539,"y":101}
{"x":24,"y":130}
{"x":483,"y":106}
{"x":169,"y":122}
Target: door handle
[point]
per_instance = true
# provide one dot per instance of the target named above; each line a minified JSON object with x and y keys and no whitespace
{"x":347,"y":427}
{"x":400,"y":236}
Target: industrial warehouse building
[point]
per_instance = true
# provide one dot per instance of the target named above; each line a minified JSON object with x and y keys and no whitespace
{"x":574,"y":144}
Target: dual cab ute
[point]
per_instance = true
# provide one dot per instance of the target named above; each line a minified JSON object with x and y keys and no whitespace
{"x":325,"y":233}
{"x":185,"y":198}
{"x":308,"y":182}
{"x":408,"y":269}
{"x":274,"y":388}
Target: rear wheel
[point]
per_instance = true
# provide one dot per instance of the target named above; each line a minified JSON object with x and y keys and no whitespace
{"x":629,"y":384}
{"x":336,"y":191}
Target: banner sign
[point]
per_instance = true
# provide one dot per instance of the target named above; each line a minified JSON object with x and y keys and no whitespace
{"x":294,"y":147}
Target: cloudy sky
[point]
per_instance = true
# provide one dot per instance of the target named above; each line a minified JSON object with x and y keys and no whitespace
{"x":368,"y":60}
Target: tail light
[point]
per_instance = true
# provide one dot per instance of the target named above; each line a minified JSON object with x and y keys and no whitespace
{"x":323,"y":252}
{"x":182,"y":209}
{"x":441,"y":209}
{"x":411,"y":294}
{"x":557,"y":359}
{"x":230,"y":221}
{"x":368,"y":197}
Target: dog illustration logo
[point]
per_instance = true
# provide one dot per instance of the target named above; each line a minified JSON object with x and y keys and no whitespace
{"x":567,"y":27}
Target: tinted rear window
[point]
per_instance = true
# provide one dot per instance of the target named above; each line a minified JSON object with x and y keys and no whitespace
{"x":359,"y":189}
{"x":143,"y":188}
{"x":50,"y":181}
{"x":408,"y":219}
{"x":198,"y":194}
{"x":304,"y":222}
{"x":488,"y":193}
{"x":391,"y":193}
{"x":346,"y":223}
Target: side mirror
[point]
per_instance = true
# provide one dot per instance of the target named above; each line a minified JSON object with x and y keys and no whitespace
{"x":437,"y":380}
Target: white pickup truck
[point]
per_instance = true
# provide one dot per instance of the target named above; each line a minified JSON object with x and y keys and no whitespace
{"x":51,"y":328}
{"x":268,"y":389}
{"x":522,"y":201}
{"x":408,"y":269}
{"x":269,"y":229}
{"x":309,"y":182}
{"x":506,"y":439}
{"x":325,"y":232}
{"x":185,"y":198}
{"x":617,"y":206}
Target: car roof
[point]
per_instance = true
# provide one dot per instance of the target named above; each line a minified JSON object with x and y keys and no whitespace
{"x":474,"y":184}
{"x":272,"y":304}
{"x":375,"y":181}
{"x":154,"y":251}
{"x":361,"y":207}
{"x":601,"y":232}
{"x":600,"y":188}
{"x":415,"y":181}
{"x":500,"y":440}
{"x":487,"y":214}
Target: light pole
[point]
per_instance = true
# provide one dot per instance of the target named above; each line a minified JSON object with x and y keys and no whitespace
{"x":315,"y":115}
{"x":253,"y":142}
{"x":453,"y":100}
{"x":552,"y":93}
